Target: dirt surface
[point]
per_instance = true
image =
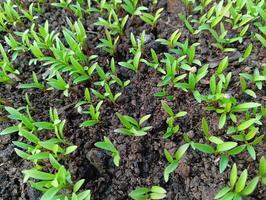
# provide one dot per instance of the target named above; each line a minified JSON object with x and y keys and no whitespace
{"x":143,"y":161}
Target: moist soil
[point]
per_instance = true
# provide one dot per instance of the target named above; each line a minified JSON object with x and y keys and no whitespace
{"x":142,"y":161}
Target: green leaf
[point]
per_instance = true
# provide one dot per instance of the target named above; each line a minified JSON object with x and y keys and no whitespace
{"x":262,"y":166}
{"x":245,"y":106}
{"x":88,"y":123}
{"x":9,"y":130}
{"x":181,"y":151}
{"x":226,"y":146}
{"x":144,"y":118}
{"x":241,"y":181}
{"x":233,"y":176}
{"x":205,"y":148}
{"x":223,"y":163}
{"x":251,"y":152}
{"x":222,"y":192}
{"x":222,"y":121}
{"x":205,"y":127}
{"x":251,"y":186}
{"x":246,"y":124}
{"x":222,"y":65}
{"x":33,"y":173}
{"x":139,"y":193}
{"x":167,"y":108}
{"x":169,"y":169}
{"x":44,"y":125}
{"x":70,"y":149}
{"x":50,"y":194}
{"x":78,"y":185}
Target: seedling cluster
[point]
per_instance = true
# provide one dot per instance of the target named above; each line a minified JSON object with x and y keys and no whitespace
{"x":68,"y":63}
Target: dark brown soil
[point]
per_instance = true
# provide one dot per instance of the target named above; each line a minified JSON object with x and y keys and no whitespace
{"x":143,"y":161}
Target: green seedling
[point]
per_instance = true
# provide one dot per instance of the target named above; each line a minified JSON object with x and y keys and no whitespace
{"x":150,"y":19}
{"x":93,"y":112}
{"x":172,"y":67}
{"x":246,"y":53}
{"x":174,"y":161}
{"x":114,"y":24}
{"x":115,"y":77}
{"x":246,"y":133}
{"x":131,"y":126}
{"x":132,"y":64}
{"x":137,"y":44}
{"x":144,"y":193}
{"x":35,"y":84}
{"x":172,"y":41}
{"x":131,"y":6}
{"x":108,"y":146}
{"x":29,"y":13}
{"x":244,"y":89}
{"x":238,"y":187}
{"x":108,"y":44}
{"x":172,"y":128}
{"x":58,"y":84}
{"x":257,"y":77}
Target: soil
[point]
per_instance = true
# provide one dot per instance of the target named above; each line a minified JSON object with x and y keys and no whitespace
{"x":143,"y":161}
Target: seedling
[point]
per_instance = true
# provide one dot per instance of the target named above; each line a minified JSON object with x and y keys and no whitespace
{"x":94,"y":113}
{"x":35,"y":84}
{"x":256,"y":77}
{"x":150,"y":19}
{"x":131,"y":126}
{"x":108,"y":146}
{"x":174,"y":162}
{"x":238,"y":187}
{"x":108,"y":44}
{"x":58,"y":84}
{"x":132,"y":64}
{"x":131,"y":6}
{"x":172,"y":128}
{"x":172,"y":41}
{"x":114,"y":24}
{"x":144,"y":193}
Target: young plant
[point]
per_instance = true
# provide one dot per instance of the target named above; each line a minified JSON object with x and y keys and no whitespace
{"x":115,"y":77}
{"x":144,"y":193}
{"x":108,"y":146}
{"x":132,"y":64}
{"x":174,"y":161}
{"x":108,"y":44}
{"x":172,"y":41}
{"x":93,"y":112}
{"x":172,"y":67}
{"x":131,"y":6}
{"x":58,"y":84}
{"x":172,"y":128}
{"x":35,"y":84}
{"x":246,"y":53}
{"x":150,"y":19}
{"x":131,"y":126}
{"x":256,"y":77}
{"x":114,"y":24}
{"x":238,"y":187}
{"x":244,"y":89}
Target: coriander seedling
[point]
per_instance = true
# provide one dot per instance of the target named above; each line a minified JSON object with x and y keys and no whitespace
{"x":239,"y":187}
{"x":108,"y":146}
{"x":131,"y":126}
{"x":172,"y":128}
{"x":174,"y":161}
{"x":144,"y":193}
